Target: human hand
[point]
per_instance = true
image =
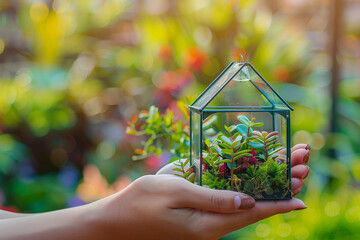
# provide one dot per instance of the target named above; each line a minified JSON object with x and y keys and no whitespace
{"x":169,"y":207}
{"x":158,"y":207}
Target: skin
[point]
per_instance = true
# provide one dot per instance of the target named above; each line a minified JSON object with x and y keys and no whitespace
{"x":158,"y":207}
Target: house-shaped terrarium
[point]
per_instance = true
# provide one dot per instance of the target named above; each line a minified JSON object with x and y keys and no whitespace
{"x":240,"y":135}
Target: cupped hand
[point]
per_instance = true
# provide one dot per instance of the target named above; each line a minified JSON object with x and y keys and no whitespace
{"x":169,"y":207}
{"x":165,"y":206}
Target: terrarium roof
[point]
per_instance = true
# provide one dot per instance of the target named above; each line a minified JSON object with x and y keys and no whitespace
{"x":240,"y":86}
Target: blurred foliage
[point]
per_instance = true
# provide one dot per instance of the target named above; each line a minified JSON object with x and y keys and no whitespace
{"x":73,"y":73}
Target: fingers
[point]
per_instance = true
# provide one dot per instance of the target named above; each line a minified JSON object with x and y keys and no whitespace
{"x":296,"y":147}
{"x":296,"y":183}
{"x":218,"y":201}
{"x":300,"y":171}
{"x":300,"y":146}
{"x":262,"y":210}
{"x":300,"y":156}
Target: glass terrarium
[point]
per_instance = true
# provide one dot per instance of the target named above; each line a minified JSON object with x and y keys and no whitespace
{"x":240,"y":135}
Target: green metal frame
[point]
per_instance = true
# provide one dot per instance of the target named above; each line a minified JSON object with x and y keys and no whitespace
{"x":207,"y":111}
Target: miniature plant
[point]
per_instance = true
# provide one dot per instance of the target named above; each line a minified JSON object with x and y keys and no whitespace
{"x":162,"y":132}
{"x":247,"y":159}
{"x":239,"y":158}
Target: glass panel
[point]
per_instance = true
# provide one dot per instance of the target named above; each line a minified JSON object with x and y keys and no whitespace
{"x":265,"y":90}
{"x":195,"y":132}
{"x":250,"y":160}
{"x":246,"y":89}
{"x":240,"y":92}
{"x":218,"y":83}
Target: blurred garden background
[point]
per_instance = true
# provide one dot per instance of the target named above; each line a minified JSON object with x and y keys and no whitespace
{"x":74,"y":73}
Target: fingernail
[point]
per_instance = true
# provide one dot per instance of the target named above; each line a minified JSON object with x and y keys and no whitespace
{"x":307,"y":147}
{"x":306,"y":157}
{"x":307,"y":172}
{"x":300,"y":209}
{"x":301,"y":204}
{"x":243,"y":202}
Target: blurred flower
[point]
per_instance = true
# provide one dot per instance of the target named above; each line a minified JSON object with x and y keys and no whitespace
{"x":195,"y":58}
{"x":152,"y":163}
{"x":74,"y":202}
{"x":165,"y":53}
{"x":95,"y":186}
{"x":281,"y":74}
{"x":68,"y":177}
{"x":223,"y":170}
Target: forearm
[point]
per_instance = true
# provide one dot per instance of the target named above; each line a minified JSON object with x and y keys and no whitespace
{"x":72,"y":223}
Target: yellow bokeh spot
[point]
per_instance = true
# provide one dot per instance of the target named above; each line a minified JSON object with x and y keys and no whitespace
{"x":353,"y":214}
{"x":302,"y":136}
{"x":356,"y":169}
{"x":318,"y":141}
{"x":340,"y":170}
{"x":262,"y":230}
{"x":38,"y":12}
{"x":301,"y":233}
{"x":332,"y":209}
{"x":2,"y":46}
{"x":284,"y":229}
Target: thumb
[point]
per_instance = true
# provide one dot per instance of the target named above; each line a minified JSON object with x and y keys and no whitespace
{"x":220,"y":201}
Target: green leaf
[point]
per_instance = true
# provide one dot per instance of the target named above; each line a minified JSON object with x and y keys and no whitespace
{"x":227,"y":129}
{"x":238,"y":138}
{"x":224,"y":145}
{"x":228,"y":151}
{"x":242,"y":155}
{"x":224,"y":161}
{"x":243,"y":119}
{"x":259,"y":124}
{"x":275,"y":151}
{"x":229,"y":165}
{"x":187,"y":161}
{"x":186,"y":174}
{"x":255,"y":145}
{"x":207,"y":142}
{"x":242,"y":129}
{"x":226,"y":139}
{"x":274,"y":145}
{"x":177,"y":169}
{"x":271,"y":138}
{"x":242,"y":151}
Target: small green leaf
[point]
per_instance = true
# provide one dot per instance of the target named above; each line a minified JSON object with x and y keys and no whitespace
{"x":226,"y":139}
{"x":224,"y":161}
{"x":177,"y":169}
{"x":227,"y":129}
{"x":255,"y":145}
{"x":228,"y":151}
{"x":274,"y":145}
{"x":243,"y":151}
{"x":207,"y":142}
{"x":259,"y":124}
{"x":187,"y":161}
{"x":243,"y":119}
{"x":242,"y":155}
{"x":238,"y":138}
{"x":186,"y":174}
{"x":229,"y":165}
{"x":242,"y":129}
